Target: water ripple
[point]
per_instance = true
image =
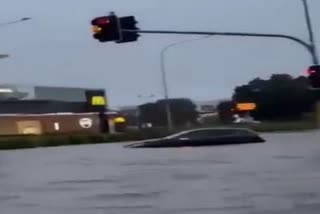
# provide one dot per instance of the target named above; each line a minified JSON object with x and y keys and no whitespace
{"x":83,"y":181}
{"x":211,"y":209}
{"x":4,"y":198}
{"x":123,"y":196}
{"x":129,"y":208}
{"x":185,"y":176}
{"x":287,"y":157}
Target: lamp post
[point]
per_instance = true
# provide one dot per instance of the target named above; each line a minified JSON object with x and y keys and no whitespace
{"x":164,"y":77}
{"x":146,"y":97}
{"x":14,"y":21}
{"x":3,"y":24}
{"x":2,"y":56}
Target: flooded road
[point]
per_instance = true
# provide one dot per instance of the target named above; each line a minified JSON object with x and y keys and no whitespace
{"x":279,"y":176}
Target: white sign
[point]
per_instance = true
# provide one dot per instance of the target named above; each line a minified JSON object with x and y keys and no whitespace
{"x":85,"y":123}
{"x":56,"y":126}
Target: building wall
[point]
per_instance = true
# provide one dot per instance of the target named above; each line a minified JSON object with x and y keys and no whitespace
{"x":89,"y":123}
{"x":61,"y":93}
{"x":40,"y":107}
{"x":55,"y":93}
{"x":8,"y":126}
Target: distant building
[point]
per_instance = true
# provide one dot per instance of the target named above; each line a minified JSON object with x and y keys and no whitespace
{"x":49,"y":99}
{"x":53,"y":93}
{"x":54,"y":123}
{"x":61,"y":93}
{"x":39,"y":107}
{"x":204,"y":107}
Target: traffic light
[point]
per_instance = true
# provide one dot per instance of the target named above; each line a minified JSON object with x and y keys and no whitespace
{"x":106,"y":28}
{"x":314,"y":75}
{"x":128,"y":23}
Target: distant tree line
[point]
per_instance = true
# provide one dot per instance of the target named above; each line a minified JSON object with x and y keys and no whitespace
{"x":183,"y":112}
{"x":279,"y":97}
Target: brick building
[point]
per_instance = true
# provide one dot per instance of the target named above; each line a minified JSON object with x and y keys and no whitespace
{"x":49,"y":110}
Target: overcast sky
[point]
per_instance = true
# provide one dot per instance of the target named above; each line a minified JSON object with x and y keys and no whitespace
{"x":56,"y":47}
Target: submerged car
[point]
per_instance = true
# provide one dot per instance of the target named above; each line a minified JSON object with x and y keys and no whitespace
{"x":202,"y":137}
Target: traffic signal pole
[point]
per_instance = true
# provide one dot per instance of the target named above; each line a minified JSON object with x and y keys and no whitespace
{"x":313,"y":49}
{"x":312,"y":44}
{"x":310,"y":47}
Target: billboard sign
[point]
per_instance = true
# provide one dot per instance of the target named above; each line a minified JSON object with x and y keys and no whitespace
{"x":246,"y":106}
{"x":96,"y":100}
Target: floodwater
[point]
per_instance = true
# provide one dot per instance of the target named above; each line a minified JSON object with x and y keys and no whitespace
{"x":279,"y":176}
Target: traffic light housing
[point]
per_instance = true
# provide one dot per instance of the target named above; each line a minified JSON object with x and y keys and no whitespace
{"x":106,"y":28}
{"x":128,"y":23}
{"x":314,"y":76}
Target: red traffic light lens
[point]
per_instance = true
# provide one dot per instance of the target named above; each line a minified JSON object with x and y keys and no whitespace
{"x":102,"y":21}
{"x":314,"y":69}
{"x":310,"y":71}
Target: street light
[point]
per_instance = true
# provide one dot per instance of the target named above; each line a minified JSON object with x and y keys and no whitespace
{"x":164,"y":77}
{"x":15,"y":21}
{"x":146,"y":97}
{"x":25,"y":18}
{"x":2,"y":56}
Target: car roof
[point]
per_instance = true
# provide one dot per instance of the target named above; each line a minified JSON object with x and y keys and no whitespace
{"x":213,"y":129}
{"x":218,"y":128}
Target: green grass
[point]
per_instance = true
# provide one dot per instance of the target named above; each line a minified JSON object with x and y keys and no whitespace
{"x":19,"y":142}
{"x":23,"y":142}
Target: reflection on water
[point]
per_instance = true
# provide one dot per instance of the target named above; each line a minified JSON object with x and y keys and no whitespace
{"x":280,"y":176}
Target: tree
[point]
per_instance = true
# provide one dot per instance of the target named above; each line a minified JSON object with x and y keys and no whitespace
{"x":281,"y":96}
{"x":225,"y":111}
{"x":183,"y":111}
{"x":151,"y":113}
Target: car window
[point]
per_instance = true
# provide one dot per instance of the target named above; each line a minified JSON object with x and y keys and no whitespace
{"x":243,"y":132}
{"x":206,"y":133}
{"x":193,"y":134}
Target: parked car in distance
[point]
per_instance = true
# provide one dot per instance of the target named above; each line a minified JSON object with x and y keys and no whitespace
{"x":202,"y":137}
